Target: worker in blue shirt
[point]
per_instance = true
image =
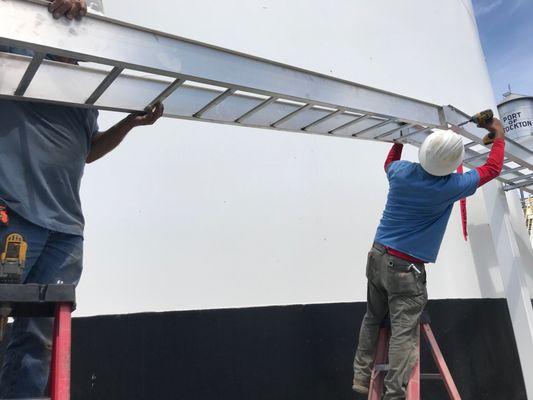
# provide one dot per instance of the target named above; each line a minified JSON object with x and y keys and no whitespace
{"x":419,"y":203}
{"x":43,"y":152}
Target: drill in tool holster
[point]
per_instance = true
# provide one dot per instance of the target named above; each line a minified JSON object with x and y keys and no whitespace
{"x":12,"y":258}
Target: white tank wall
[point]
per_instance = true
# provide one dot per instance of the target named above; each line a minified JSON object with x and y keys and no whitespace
{"x":188,"y":215}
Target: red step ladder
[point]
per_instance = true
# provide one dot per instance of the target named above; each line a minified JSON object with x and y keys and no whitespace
{"x":413,"y":388}
{"x":32,"y":300}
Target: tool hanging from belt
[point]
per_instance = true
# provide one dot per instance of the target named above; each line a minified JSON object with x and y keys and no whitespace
{"x":12,"y":252}
{"x":13,"y":258}
{"x":464,"y":217}
{"x":12,"y":263}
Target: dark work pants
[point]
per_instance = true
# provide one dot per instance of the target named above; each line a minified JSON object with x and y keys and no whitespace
{"x":394,"y":287}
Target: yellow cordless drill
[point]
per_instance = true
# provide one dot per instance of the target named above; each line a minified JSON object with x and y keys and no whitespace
{"x":12,"y":261}
{"x":482,"y":118}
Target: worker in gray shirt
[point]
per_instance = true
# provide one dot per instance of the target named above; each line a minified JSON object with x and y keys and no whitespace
{"x":43,"y":152}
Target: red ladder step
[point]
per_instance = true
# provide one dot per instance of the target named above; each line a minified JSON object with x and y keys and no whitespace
{"x":413,"y":388}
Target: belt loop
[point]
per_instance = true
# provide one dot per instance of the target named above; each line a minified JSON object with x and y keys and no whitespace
{"x":379,"y":247}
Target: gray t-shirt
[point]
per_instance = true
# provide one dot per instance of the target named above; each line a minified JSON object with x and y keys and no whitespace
{"x":43,"y":148}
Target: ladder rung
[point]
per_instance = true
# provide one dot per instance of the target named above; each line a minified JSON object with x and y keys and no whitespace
{"x":511,"y":170}
{"x":29,"y":74}
{"x":381,"y":367}
{"x":102,"y":87}
{"x":404,"y":126}
{"x":471,"y":144}
{"x":256,"y":109}
{"x":431,"y":376}
{"x":477,"y":156}
{"x":520,"y":178}
{"x":350,"y":123}
{"x":323,"y":119}
{"x":167,"y":92}
{"x":291,"y":115}
{"x":214,"y":102}
{"x":371,"y":128}
{"x":37,"y":398}
{"x":422,"y":130}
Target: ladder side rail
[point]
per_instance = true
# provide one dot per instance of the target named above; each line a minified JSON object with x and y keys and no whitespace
{"x":102,"y":87}
{"x":441,"y":363}
{"x":377,"y":378}
{"x":29,"y":74}
{"x":413,"y":387}
{"x":61,"y":353}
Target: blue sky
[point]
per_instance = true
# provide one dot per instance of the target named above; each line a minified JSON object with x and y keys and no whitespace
{"x":506,"y":31}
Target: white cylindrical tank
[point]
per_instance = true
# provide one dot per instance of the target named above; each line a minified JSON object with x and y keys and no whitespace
{"x":191,"y":215}
{"x":516,"y":112}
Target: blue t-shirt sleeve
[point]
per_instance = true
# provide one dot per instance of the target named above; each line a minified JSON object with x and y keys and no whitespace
{"x":395,"y":166}
{"x":462,"y":185}
{"x":93,"y":123}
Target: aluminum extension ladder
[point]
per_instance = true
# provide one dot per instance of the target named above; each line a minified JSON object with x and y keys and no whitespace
{"x":33,"y":300}
{"x":130,"y":68}
{"x":413,"y":388}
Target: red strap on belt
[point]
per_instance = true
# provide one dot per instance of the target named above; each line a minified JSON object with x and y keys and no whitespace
{"x":462,"y":203}
{"x":4,"y":218}
{"x":403,"y":256}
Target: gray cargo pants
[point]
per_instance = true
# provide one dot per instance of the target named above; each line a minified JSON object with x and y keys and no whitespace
{"x":394,"y":287}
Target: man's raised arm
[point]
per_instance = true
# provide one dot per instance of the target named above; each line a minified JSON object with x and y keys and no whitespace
{"x":494,"y":164}
{"x":395,"y":154}
{"x":104,"y":142}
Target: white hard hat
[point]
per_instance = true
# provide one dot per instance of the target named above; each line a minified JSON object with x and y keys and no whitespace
{"x":441,"y":153}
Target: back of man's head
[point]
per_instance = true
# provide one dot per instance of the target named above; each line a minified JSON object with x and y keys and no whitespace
{"x":441,"y":153}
